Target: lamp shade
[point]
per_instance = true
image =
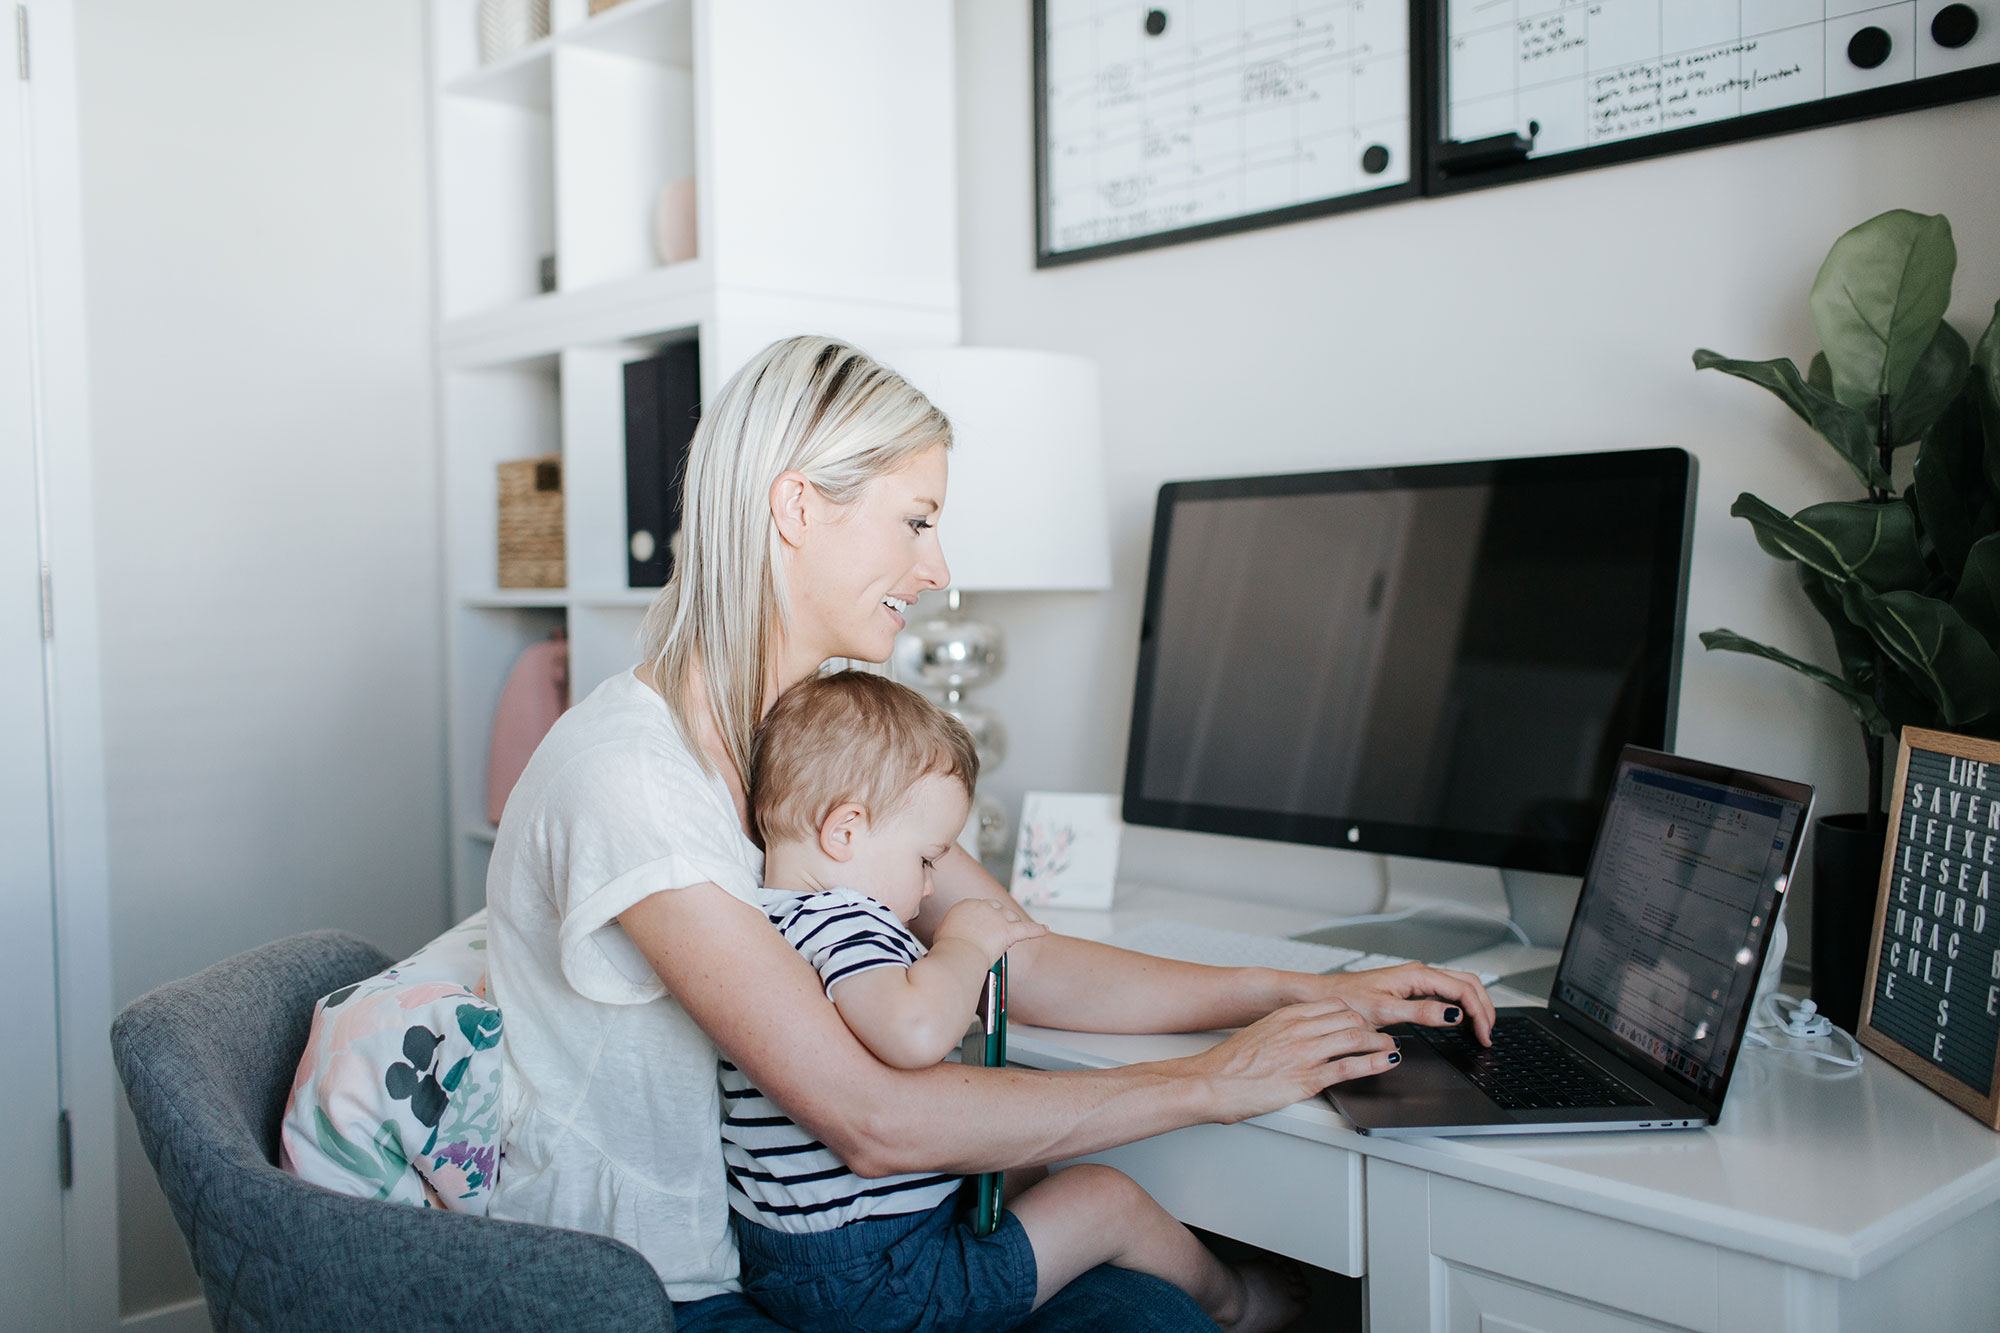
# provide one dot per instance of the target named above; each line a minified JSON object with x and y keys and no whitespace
{"x":1025,"y":507}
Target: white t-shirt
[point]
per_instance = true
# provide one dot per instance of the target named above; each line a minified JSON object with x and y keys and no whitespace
{"x":612,"y":1102}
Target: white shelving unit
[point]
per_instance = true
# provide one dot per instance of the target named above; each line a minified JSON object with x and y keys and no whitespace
{"x":821,"y":141}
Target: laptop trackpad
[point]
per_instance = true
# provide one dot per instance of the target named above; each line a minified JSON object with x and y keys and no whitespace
{"x":1423,"y":1090}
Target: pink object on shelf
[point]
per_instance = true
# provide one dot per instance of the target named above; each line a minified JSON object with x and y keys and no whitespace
{"x":673,"y":221}
{"x":537,"y":692}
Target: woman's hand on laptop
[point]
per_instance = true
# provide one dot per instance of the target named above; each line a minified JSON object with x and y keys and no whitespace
{"x":1410,"y":993}
{"x":1286,"y":1056}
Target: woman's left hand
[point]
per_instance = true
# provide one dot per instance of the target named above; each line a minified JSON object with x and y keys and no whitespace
{"x":1415,"y":993}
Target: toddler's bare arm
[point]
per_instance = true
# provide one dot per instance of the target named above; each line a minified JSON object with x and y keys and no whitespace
{"x":915,"y":1017}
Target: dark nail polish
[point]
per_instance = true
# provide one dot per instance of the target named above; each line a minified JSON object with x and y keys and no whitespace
{"x":1395,"y":1057}
{"x":1451,"y":1014}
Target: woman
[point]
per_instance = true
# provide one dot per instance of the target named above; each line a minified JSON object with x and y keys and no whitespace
{"x":627,"y":949}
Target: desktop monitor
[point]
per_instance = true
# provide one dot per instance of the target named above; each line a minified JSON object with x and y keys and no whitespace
{"x":1435,"y":661}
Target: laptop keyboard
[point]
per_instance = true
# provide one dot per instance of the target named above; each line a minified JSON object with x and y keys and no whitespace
{"x":1526,"y":1069}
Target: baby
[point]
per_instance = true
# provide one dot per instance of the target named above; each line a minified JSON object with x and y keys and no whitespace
{"x":859,"y":787}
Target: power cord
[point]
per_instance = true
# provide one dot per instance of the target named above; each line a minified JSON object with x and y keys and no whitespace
{"x":1799,"y":1021}
{"x":1451,"y":909}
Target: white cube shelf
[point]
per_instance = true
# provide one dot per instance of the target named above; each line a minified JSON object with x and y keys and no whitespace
{"x":820,"y":139}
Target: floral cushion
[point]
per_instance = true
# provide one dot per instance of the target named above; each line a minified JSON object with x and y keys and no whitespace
{"x":398,"y":1093}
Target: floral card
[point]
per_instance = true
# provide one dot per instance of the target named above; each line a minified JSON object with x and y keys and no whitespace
{"x":1067,"y":855}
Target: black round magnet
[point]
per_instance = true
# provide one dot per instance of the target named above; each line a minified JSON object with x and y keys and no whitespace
{"x":1375,"y":159}
{"x":1868,"y":48}
{"x":1156,"y":22}
{"x":1955,"y":25}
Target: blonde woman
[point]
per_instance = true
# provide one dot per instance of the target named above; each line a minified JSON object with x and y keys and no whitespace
{"x":629,"y":954}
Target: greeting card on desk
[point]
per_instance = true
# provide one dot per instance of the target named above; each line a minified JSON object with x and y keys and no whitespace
{"x":1067,"y":855}
{"x":1937,"y":923}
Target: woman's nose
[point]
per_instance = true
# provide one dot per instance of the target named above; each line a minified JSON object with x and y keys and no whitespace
{"x":932,"y":571}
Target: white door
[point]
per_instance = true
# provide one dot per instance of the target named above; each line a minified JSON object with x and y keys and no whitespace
{"x":31,"y":1229}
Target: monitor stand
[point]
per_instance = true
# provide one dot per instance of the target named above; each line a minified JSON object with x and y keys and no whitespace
{"x":1436,"y":935}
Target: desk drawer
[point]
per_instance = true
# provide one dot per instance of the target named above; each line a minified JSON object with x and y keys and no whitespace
{"x":1276,"y":1191}
{"x":1665,"y":1280}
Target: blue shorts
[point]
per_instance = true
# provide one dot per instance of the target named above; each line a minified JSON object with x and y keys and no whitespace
{"x":918,"y":1273}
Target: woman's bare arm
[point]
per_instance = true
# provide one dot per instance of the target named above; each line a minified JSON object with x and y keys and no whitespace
{"x":1062,"y":982}
{"x":761,"y":1003}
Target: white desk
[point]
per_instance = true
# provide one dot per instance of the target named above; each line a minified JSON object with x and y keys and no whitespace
{"x":1861,"y":1202}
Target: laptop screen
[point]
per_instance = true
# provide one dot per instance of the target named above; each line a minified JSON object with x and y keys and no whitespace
{"x":1668,"y":940}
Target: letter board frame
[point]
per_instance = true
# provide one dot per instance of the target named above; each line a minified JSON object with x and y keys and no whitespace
{"x":1915,"y":862}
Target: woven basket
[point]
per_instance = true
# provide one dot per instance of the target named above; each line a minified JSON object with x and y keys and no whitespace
{"x":531,"y":523}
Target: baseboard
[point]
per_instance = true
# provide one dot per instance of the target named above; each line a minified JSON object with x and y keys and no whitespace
{"x":187,"y":1317}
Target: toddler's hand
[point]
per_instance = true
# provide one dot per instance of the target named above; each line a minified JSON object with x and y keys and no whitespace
{"x":989,"y":925}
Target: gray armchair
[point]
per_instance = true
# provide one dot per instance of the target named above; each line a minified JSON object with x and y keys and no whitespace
{"x":208,"y":1062}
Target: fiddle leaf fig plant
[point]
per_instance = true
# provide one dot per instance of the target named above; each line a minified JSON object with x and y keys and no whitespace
{"x":1908,"y":579}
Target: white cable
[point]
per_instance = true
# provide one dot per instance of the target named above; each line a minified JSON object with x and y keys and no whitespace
{"x":1456,"y":909}
{"x":1800,"y":1020}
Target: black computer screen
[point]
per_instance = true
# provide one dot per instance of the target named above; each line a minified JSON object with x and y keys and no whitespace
{"x":1438,"y":661}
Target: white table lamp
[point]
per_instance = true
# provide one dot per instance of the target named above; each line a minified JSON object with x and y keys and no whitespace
{"x":1024,"y":512}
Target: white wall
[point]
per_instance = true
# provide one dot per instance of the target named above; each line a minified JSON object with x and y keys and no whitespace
{"x":1551,"y":316}
{"x":255,"y":234}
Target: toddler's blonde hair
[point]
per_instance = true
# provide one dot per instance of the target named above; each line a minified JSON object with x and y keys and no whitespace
{"x":850,"y":736}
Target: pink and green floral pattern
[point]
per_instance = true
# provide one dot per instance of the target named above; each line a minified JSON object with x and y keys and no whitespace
{"x":397,"y":1096}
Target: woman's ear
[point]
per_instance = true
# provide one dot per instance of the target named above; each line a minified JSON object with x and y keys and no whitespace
{"x":792,"y":498}
{"x":841,"y":830}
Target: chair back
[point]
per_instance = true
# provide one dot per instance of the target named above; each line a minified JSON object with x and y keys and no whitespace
{"x":208,"y":1064}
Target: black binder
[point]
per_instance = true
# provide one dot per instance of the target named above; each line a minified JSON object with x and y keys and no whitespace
{"x":662,"y":404}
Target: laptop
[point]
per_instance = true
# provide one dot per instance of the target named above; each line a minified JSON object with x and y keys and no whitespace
{"x":1656,"y":981}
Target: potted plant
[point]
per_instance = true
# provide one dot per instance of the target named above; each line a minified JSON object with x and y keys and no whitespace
{"x":1908,"y":576}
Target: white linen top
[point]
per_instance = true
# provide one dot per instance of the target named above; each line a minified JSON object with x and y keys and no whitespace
{"x":613,"y":1108}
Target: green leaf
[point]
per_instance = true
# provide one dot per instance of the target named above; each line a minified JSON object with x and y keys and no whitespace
{"x":1948,"y":659}
{"x":1978,"y":595}
{"x":1844,"y":540}
{"x":1858,"y":701}
{"x":385,"y":1166}
{"x":1934,"y":385}
{"x":1986,"y":389}
{"x":1852,"y":643}
{"x":480,"y":1025}
{"x":1851,"y":433}
{"x":1819,"y":374}
{"x":1949,"y":491}
{"x":452,"y":1076}
{"x":1877,"y":302}
{"x":1902,"y":703}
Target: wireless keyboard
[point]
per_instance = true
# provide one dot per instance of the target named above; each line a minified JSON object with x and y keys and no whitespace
{"x":1235,"y":948}
{"x":1231,"y":948}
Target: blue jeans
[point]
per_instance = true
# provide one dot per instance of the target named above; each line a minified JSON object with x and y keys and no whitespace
{"x":922,"y":1272}
{"x":1104,"y":1300}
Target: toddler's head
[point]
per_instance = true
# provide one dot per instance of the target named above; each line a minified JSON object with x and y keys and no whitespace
{"x":862,"y":781}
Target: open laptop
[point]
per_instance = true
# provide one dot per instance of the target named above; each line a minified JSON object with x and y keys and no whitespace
{"x":1656,"y":980}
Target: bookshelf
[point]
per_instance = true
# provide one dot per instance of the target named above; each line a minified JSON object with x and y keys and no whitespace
{"x":821,"y":141}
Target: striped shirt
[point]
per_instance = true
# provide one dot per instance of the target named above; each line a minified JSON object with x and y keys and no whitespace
{"x":781,"y":1177}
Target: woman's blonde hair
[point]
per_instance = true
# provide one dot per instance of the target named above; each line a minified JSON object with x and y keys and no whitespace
{"x":811,"y":405}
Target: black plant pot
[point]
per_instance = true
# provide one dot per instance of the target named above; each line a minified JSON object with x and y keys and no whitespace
{"x":1847,"y":867}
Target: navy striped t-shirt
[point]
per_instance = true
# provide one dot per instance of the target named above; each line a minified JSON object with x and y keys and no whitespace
{"x":780,"y":1176}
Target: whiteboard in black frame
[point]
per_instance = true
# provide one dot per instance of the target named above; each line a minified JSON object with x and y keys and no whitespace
{"x":1593,"y":82}
{"x":1187,"y":118}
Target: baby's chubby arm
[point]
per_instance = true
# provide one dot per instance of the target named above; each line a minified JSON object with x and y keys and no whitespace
{"x":911,"y":1018}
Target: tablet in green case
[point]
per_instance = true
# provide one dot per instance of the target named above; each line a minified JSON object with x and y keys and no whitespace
{"x":987,"y":1045}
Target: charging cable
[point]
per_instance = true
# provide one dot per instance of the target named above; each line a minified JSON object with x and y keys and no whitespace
{"x":1450,"y":909}
{"x":1797,"y":1022}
